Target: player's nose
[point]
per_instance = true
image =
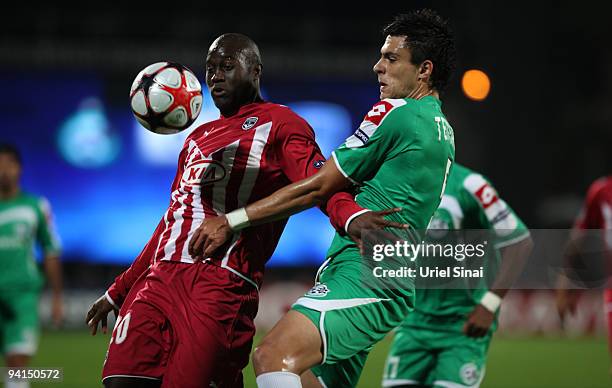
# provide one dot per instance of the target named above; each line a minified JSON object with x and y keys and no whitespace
{"x":378,"y":67}
{"x":217,"y":76}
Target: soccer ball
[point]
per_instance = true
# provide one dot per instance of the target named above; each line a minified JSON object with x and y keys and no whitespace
{"x":166,"y":97}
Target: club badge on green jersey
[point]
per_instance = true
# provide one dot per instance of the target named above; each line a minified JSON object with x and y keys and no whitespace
{"x":319,"y":290}
{"x":469,"y":373}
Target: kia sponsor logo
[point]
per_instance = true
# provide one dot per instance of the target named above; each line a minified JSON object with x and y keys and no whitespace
{"x":203,"y":172}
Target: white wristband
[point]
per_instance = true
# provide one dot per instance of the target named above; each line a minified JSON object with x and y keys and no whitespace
{"x":491,"y":301}
{"x":110,"y":300}
{"x":352,"y":217}
{"x":238,"y":219}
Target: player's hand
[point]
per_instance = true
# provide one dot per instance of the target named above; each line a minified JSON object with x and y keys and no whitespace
{"x":373,"y":221}
{"x":57,"y":311}
{"x":567,"y":300}
{"x":479,"y":321}
{"x":209,"y":236}
{"x":99,"y":313}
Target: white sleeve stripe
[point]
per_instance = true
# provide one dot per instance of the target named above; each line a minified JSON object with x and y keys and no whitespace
{"x":110,"y":300}
{"x":351,"y":218}
{"x":507,"y":243}
{"x":340,"y":168}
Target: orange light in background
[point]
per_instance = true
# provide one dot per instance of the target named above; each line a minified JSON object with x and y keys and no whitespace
{"x":476,"y":84}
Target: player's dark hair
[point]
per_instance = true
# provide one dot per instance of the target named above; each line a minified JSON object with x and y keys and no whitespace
{"x":11,"y":150}
{"x":428,"y":36}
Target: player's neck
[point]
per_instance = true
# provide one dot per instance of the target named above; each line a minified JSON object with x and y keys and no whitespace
{"x":422,"y":90}
{"x":9,"y":192}
{"x":256,"y":97}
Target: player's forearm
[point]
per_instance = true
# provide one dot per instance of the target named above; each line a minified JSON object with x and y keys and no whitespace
{"x":53,"y":270}
{"x":288,"y":201}
{"x":117,"y":291}
{"x":296,"y":197}
{"x":341,"y":208}
{"x":514,"y":258}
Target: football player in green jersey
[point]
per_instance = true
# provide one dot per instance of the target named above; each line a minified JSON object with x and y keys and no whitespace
{"x":400,"y":157}
{"x":444,"y":341}
{"x":24,"y":220}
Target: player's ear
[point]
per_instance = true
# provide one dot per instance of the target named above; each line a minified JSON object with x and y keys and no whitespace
{"x":257,"y":70}
{"x":425,"y":70}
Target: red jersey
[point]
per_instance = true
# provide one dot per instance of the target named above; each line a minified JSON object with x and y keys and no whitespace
{"x":597,"y":214}
{"x":224,"y":165}
{"x":597,"y":210}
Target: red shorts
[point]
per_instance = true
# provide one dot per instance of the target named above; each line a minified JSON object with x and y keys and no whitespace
{"x":608,"y":312}
{"x":187,"y":324}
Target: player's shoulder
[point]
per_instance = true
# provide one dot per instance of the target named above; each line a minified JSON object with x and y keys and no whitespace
{"x":36,"y":201}
{"x":286,"y":122}
{"x":386,"y":108}
{"x":281,"y":113}
{"x":476,"y":184}
{"x":25,"y":196}
{"x":600,"y":188}
{"x":601,"y":184}
{"x":462,"y":173}
{"x":201,"y":130}
{"x":401,"y":113}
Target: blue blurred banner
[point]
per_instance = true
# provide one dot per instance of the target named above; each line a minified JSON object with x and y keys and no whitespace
{"x":108,"y":179}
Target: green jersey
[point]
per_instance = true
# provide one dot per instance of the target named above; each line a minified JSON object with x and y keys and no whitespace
{"x":24,"y":220}
{"x":469,"y":202}
{"x":399,"y":157}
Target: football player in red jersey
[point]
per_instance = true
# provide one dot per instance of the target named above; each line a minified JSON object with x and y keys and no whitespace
{"x":189,"y":323}
{"x":596,"y":214}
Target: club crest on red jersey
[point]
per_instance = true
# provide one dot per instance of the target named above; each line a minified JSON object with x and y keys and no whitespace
{"x":249,"y":123}
{"x":203,"y":172}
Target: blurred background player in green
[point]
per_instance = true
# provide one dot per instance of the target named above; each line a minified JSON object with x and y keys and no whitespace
{"x":444,"y":341}
{"x":24,"y":220}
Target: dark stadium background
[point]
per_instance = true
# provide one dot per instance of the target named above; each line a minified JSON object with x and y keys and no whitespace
{"x":542,"y":135}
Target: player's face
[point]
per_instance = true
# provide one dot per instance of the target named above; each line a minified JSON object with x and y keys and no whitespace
{"x":397,"y":75}
{"x":10,"y":170}
{"x":228,"y":77}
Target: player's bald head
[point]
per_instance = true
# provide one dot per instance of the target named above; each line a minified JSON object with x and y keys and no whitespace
{"x":237,"y":45}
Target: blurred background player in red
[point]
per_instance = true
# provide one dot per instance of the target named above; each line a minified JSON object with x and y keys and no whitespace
{"x":186,"y":323}
{"x":596,"y":215}
{"x":25,"y":220}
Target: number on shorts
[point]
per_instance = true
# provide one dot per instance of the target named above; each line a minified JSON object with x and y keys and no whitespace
{"x":391,"y":367}
{"x":122,"y":328}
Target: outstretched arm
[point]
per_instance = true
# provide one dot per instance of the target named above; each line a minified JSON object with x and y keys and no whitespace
{"x":299,"y":156}
{"x":289,"y":200}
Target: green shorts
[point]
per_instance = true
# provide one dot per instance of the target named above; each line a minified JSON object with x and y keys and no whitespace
{"x":436,"y":356}
{"x":351,"y":318}
{"x":19,"y":328}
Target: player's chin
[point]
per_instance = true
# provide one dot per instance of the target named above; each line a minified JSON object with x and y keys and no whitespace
{"x":384,"y":95}
{"x":221,"y":101}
